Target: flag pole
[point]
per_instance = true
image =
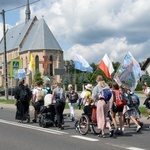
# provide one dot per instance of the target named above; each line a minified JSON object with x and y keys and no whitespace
{"x":93,"y":74}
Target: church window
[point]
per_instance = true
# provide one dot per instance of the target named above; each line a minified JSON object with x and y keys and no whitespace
{"x":51,"y":65}
{"x":36,"y":62}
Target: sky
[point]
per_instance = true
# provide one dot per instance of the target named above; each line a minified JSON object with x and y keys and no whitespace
{"x":90,"y":28}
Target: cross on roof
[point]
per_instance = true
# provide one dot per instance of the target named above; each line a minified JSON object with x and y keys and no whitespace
{"x":45,"y":64}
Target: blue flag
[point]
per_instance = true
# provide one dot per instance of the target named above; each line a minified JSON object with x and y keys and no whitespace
{"x":81,"y":64}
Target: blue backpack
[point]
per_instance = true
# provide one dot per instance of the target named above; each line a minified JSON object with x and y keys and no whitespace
{"x":105,"y":94}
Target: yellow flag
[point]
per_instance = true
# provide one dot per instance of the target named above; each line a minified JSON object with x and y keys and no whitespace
{"x":32,"y":63}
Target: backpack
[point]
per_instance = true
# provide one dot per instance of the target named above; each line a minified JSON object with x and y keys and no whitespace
{"x":60,"y":95}
{"x":73,"y":96}
{"x":105,"y":94}
{"x":23,"y":95}
{"x":41,"y":95}
{"x":49,"y":91}
{"x":119,"y":97}
{"x":129,"y":100}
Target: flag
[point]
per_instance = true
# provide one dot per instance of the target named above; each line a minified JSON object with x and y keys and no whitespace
{"x":106,"y":66}
{"x":128,"y":73}
{"x":32,"y":63}
{"x":81,"y":64}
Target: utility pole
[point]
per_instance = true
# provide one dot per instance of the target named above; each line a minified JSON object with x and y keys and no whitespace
{"x":5,"y":56}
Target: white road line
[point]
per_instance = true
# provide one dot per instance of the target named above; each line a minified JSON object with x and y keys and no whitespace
{"x":47,"y":130}
{"x":126,"y":147}
{"x":135,"y":148}
{"x":85,"y":138}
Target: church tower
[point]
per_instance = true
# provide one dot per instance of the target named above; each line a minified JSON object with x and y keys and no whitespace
{"x":27,"y":12}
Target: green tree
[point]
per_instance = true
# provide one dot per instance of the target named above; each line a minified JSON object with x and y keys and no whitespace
{"x":37,"y":77}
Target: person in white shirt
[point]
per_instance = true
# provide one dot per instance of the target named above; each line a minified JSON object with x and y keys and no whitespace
{"x":37,"y":104}
{"x":146,"y":91}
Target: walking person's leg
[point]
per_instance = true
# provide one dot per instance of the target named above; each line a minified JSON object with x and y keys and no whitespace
{"x":101,"y":117}
{"x":58,"y":113}
{"x":120,"y":118}
{"x":107,"y":122}
{"x":62,"y":107}
{"x":71,"y":110}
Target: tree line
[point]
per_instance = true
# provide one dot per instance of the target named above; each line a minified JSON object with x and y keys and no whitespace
{"x":80,"y":78}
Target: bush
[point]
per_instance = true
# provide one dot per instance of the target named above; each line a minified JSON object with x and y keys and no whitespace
{"x":139,"y":87}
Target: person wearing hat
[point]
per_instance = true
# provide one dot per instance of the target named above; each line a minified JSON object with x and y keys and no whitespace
{"x":87,"y":100}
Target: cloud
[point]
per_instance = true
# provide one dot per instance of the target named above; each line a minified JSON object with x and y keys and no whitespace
{"x":93,"y":28}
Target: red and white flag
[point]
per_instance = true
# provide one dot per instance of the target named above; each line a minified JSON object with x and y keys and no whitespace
{"x":106,"y":66}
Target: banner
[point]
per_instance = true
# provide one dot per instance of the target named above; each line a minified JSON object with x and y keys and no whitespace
{"x":128,"y":73}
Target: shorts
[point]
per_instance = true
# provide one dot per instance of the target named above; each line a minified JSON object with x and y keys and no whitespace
{"x":117,"y":109}
{"x":38,"y":104}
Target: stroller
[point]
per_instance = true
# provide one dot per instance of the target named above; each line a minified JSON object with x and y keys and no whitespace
{"x":47,"y":116}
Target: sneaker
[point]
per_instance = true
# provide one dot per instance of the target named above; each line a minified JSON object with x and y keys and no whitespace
{"x":62,"y":127}
{"x":72,"y":119}
{"x":28,"y":119}
{"x":59,"y":129}
{"x":102,"y":135}
{"x":138,"y":128}
{"x":116,"y":131}
{"x":20,"y":121}
{"x":34,"y":121}
{"x":111,"y":133}
{"x":141,"y":124}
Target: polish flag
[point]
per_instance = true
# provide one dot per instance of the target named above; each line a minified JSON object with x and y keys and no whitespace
{"x":106,"y":66}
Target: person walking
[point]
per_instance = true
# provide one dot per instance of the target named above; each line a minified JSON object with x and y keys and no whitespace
{"x":102,"y":107}
{"x":72,"y":97}
{"x":58,"y":95}
{"x":116,"y":109}
{"x":37,"y":100}
{"x":22,"y":97}
{"x":146,"y":91}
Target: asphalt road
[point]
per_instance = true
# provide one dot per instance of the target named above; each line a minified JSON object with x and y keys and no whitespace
{"x":17,"y":136}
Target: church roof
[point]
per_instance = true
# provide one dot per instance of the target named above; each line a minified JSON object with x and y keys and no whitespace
{"x":31,"y":35}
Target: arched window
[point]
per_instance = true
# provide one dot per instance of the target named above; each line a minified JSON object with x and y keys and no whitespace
{"x":36,"y":62}
{"x":51,"y":66}
{"x":22,"y":62}
{"x":26,"y":63}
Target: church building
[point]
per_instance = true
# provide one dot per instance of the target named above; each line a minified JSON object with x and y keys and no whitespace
{"x":31,"y":37}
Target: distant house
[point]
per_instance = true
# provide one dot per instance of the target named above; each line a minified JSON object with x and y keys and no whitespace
{"x":31,"y":37}
{"x":146,"y":66}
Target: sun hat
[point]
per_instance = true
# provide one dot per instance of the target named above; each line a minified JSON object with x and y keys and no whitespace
{"x":89,"y":87}
{"x":70,"y":86}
